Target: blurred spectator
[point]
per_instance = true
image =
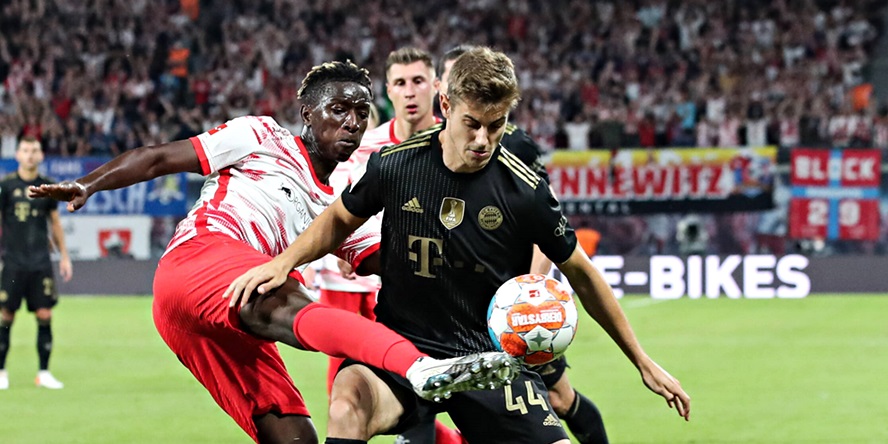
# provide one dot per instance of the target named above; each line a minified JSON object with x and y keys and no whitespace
{"x":577,"y":132}
{"x":685,"y":62}
{"x":692,"y":237}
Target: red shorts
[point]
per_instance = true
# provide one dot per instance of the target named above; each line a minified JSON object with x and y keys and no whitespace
{"x":244,"y":374}
{"x":361,"y":303}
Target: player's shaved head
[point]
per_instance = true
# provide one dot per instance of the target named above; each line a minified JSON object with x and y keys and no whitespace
{"x":319,"y":76}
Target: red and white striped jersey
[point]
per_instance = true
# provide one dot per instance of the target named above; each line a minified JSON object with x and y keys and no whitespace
{"x":261,"y":189}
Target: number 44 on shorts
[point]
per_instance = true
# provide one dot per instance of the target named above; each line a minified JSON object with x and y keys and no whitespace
{"x":516,"y":403}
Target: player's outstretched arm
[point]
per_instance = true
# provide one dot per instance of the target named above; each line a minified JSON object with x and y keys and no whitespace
{"x":322,"y":237}
{"x":599,"y":301}
{"x":138,"y":165}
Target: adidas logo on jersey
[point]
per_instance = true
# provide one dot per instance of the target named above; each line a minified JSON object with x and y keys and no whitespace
{"x":412,"y":206}
{"x":551,"y":420}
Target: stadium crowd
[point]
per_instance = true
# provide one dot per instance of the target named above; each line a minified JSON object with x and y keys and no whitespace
{"x":97,"y":77}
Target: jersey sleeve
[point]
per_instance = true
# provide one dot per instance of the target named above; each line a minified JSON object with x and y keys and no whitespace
{"x":549,"y":227}
{"x":362,"y":243}
{"x":363,"y":198}
{"x":228,"y":143}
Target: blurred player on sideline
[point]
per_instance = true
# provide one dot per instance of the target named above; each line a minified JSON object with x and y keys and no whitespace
{"x":409,"y":74}
{"x":263,"y":188}
{"x":27,"y":268}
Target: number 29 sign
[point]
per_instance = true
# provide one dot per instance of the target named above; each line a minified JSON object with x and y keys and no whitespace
{"x":835,"y":194}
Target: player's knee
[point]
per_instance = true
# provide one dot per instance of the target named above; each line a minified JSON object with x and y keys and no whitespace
{"x":7,"y":316}
{"x":346,"y":417}
{"x":271,"y":316}
{"x":43,"y":315}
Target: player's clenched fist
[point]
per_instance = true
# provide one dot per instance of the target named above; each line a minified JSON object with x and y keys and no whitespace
{"x":68,"y":191}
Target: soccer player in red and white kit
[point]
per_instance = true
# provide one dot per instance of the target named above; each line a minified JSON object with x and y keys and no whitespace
{"x":409,"y":74}
{"x":263,"y":188}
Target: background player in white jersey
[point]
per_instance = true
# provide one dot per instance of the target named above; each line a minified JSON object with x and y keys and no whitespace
{"x":263,"y":188}
{"x":409,"y":74}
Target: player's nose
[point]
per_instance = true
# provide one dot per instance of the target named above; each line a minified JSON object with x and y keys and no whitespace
{"x":351,"y":122}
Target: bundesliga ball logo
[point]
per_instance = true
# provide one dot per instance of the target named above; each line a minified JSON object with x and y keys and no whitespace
{"x":533,"y":318}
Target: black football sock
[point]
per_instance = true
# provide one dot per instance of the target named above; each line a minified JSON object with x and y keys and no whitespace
{"x":584,"y":421}
{"x":5,"y":327}
{"x":44,"y":342}
{"x":344,"y":441}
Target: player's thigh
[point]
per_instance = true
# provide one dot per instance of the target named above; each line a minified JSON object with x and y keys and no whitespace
{"x":519,"y":413}
{"x":358,"y":387}
{"x":12,"y":289}
{"x":551,"y":373}
{"x":405,"y":406}
{"x":191,"y":278}
{"x":41,"y":290}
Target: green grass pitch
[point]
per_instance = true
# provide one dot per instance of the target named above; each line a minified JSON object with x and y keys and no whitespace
{"x":812,"y":370}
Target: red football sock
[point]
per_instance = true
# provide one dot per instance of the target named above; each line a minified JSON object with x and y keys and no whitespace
{"x":446,"y":435}
{"x":344,"y":334}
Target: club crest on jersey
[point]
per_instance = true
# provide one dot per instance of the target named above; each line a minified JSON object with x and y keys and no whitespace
{"x":452,"y":211}
{"x":490,"y":218}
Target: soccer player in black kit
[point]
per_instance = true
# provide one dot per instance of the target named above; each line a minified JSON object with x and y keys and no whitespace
{"x":27,"y":269}
{"x":476,"y":213}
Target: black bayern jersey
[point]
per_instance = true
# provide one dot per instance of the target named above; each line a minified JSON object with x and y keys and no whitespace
{"x":449,"y":240}
{"x":525,"y":148}
{"x":25,"y":236}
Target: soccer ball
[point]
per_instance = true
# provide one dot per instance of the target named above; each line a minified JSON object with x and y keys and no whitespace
{"x":533,"y":318}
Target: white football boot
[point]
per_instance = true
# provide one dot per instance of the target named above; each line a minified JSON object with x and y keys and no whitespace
{"x":436,"y":379}
{"x":46,"y":379}
{"x":4,"y":380}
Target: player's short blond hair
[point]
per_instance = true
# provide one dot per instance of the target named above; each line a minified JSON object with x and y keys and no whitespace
{"x":483,"y":76}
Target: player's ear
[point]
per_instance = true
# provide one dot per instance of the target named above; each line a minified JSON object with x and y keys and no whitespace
{"x":388,"y":90}
{"x":305,"y":111}
{"x":445,"y":105}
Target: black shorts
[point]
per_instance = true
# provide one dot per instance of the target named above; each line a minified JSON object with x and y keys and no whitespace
{"x":551,"y":372}
{"x":516,"y":414}
{"x":36,"y":287}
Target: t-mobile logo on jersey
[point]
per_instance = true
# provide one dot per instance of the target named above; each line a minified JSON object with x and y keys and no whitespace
{"x":428,"y":252}
{"x":425,"y":256}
